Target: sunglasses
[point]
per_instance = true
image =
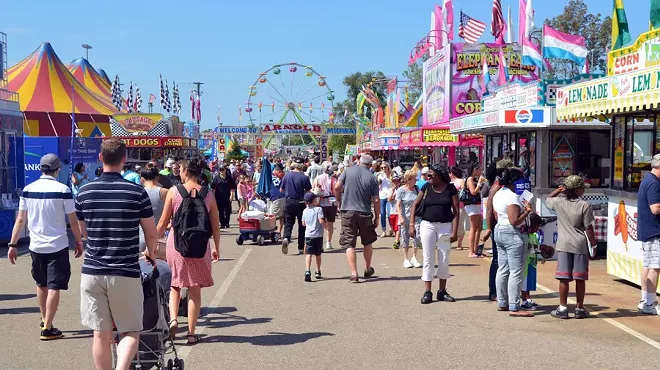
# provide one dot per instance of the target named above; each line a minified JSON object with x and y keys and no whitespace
{"x":429,"y":175}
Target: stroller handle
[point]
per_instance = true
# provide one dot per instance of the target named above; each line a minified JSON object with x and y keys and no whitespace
{"x":152,"y":262}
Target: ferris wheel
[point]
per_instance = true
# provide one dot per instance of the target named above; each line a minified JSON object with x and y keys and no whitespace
{"x":290,"y":93}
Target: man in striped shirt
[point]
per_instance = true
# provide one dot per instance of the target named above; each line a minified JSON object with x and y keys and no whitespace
{"x":45,"y":205}
{"x":111,"y":210}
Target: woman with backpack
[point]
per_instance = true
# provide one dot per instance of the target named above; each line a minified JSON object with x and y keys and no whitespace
{"x":189,"y":253}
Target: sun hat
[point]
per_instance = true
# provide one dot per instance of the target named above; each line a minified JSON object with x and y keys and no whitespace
{"x":575,"y":182}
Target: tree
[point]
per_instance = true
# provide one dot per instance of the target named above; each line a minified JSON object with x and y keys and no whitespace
{"x":338,"y":143}
{"x":595,"y":28}
{"x":236,"y":152}
{"x":344,"y":110}
{"x":415,"y":76}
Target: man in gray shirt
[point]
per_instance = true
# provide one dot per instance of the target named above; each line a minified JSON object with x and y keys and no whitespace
{"x":357,"y":192}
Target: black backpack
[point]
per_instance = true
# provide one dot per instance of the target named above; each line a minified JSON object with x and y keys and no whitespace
{"x":192,"y":224}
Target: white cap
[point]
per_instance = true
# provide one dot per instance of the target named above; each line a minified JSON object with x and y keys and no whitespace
{"x":169,"y":163}
{"x":425,"y":170}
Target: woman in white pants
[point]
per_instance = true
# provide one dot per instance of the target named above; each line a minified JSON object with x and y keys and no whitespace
{"x":438,"y":205}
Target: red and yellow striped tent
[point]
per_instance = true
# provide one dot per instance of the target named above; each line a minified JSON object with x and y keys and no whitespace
{"x":90,"y":78}
{"x":48,"y":94}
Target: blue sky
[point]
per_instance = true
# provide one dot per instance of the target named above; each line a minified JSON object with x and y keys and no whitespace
{"x":226,"y":44}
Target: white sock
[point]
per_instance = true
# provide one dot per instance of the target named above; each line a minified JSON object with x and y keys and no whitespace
{"x":562,"y":308}
{"x":650,"y":298}
{"x":643,"y":295}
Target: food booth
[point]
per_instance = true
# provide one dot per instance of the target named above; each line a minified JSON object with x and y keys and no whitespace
{"x":148,"y":136}
{"x":628,"y":98}
{"x":12,"y":178}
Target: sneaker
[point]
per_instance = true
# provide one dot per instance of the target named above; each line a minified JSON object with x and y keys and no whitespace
{"x":317,"y":275}
{"x":41,"y":324}
{"x":301,"y":252}
{"x":407,"y":264}
{"x":382,"y":235}
{"x":396,"y":245}
{"x":308,"y":276}
{"x":444,"y":296}
{"x":528,"y":305}
{"x":285,"y":246}
{"x":328,"y":246}
{"x":50,"y":334}
{"x":559,"y":314}
{"x":651,"y":309}
{"x":369,"y":272}
{"x":427,"y":297}
{"x":415,"y":263}
{"x":353,"y":279}
{"x":581,"y":313}
{"x":640,"y":306}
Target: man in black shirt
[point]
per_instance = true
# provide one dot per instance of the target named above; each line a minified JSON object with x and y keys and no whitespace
{"x":175,"y":176}
{"x":294,"y":185}
{"x":222,"y":185}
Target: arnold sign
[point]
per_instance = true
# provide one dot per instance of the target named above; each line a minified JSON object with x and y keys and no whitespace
{"x":289,"y":129}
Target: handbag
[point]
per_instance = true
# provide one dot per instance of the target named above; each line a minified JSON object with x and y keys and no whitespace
{"x":419,"y":212}
{"x":465,"y":197}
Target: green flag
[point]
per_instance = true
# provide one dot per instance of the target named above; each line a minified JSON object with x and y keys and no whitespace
{"x":655,"y":15}
{"x":620,"y":34}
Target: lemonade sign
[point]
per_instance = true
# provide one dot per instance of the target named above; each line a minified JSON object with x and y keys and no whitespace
{"x":635,"y":83}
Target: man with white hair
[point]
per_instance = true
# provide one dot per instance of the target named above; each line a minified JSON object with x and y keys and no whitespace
{"x":357,"y":192}
{"x":648,"y":232}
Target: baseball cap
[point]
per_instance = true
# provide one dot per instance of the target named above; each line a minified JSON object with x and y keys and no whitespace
{"x":575,"y":182}
{"x":169,"y":163}
{"x":425,"y":170}
{"x":396,"y":176}
{"x":309,"y":197}
{"x":50,"y":162}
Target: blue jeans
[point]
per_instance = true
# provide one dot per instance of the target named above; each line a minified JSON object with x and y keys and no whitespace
{"x":494,"y":265}
{"x":510,"y":252}
{"x":383,"y":214}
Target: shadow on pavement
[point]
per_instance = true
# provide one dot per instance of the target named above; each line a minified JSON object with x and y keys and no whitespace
{"x":270,"y":339}
{"x":462,"y":265}
{"x":15,"y":297}
{"x":18,"y":310}
{"x":222,"y":318}
{"x":77,"y":334}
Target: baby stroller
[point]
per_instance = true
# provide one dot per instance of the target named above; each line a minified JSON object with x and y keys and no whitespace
{"x":155,"y":341}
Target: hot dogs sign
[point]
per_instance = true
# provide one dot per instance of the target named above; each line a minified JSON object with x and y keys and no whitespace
{"x":625,"y":224}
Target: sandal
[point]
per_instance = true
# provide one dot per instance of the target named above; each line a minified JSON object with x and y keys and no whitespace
{"x":174,"y":325}
{"x":196,"y":338}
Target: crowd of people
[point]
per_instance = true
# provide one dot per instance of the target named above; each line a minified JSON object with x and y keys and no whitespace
{"x":129,"y":220}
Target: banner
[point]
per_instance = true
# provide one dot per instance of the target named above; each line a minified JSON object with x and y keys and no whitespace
{"x":467,"y":71}
{"x":513,"y":96}
{"x":392,"y":104}
{"x":289,"y":129}
{"x":139,"y":122}
{"x":643,"y":53}
{"x":324,"y":147}
{"x":153,"y":142}
{"x":435,"y":87}
{"x":238,"y":130}
{"x":340,"y":131}
{"x":439,"y":136}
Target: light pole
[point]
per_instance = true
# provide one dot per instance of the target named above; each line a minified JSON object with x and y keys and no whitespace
{"x":86,"y":47}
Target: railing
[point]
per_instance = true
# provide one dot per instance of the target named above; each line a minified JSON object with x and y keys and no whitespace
{"x":8,"y":95}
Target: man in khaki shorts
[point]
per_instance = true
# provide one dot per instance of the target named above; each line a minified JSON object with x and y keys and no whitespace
{"x":111,"y":211}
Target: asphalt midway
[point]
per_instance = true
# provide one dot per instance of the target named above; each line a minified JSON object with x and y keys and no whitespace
{"x":261,"y":314}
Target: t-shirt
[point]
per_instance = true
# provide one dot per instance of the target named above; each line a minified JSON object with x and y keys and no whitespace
{"x":438,"y":206}
{"x":174,"y":180}
{"x":648,"y":224}
{"x":275,"y":192}
{"x":313,"y":228}
{"x":501,"y":201}
{"x":314,"y":171}
{"x":359,"y":189}
{"x":112,"y":209}
{"x":573,"y":217}
{"x":327,"y":185}
{"x":295,"y":184}
{"x":420,"y":183}
{"x":406,"y":198}
{"x":385,"y":185}
{"x":132,"y":177}
{"x":47,"y":202}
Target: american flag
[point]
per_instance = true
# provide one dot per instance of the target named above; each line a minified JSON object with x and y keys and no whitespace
{"x":163,"y":105}
{"x":129,"y":99}
{"x":116,"y":94}
{"x":470,"y":29}
{"x":138,"y":100}
{"x":498,"y":24}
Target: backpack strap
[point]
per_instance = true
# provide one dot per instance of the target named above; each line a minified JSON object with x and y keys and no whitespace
{"x":182,"y":190}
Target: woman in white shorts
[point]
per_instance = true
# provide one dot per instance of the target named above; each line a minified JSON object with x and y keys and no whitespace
{"x":474,"y":183}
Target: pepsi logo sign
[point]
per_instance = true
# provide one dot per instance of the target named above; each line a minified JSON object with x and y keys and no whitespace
{"x":524,"y":116}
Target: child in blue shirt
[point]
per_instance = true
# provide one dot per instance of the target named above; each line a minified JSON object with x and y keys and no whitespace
{"x":313,"y":221}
